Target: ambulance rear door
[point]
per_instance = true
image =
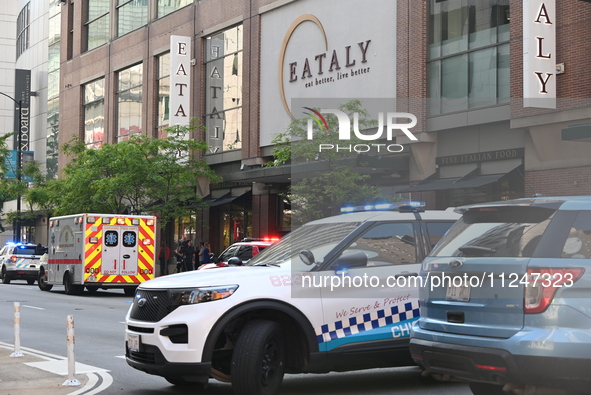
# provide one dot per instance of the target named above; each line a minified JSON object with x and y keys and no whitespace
{"x":120,"y":253}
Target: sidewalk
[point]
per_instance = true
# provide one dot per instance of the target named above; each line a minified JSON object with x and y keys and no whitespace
{"x":35,"y":374}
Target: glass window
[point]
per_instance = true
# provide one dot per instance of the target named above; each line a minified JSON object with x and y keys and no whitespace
{"x":468,"y":54}
{"x":386,"y":244}
{"x":319,"y":239}
{"x":52,"y":137}
{"x":495,"y":232}
{"x":22,"y":30}
{"x":229,"y":253}
{"x":94,"y":113}
{"x":97,"y":23}
{"x":245,"y":253}
{"x":167,"y":6}
{"x":454,"y":26}
{"x":483,"y":77}
{"x":223,"y":100}
{"x":163,"y":82}
{"x":578,"y":242}
{"x":436,"y":230}
{"x":454,"y":84}
{"x":131,"y":15}
{"x":129,"y":102}
{"x":503,"y":67}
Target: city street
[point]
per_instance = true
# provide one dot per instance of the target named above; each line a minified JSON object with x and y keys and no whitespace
{"x":99,"y":329}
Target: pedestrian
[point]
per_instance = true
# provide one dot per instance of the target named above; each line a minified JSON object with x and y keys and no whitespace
{"x":180,"y":253}
{"x":188,"y":256}
{"x":200,"y":252}
{"x":206,"y":256}
{"x":164,"y":257}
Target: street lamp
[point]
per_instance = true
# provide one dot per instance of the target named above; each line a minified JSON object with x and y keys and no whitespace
{"x":17,"y":222}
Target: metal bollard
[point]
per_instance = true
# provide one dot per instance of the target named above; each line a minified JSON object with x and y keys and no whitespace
{"x":71,"y":381}
{"x":17,"y":331}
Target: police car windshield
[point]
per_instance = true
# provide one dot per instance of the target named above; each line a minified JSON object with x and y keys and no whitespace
{"x":318,"y":238}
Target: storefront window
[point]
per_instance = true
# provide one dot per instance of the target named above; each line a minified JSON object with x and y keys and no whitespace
{"x":223,"y":91}
{"x":97,"y":23}
{"x":94,"y":113}
{"x":131,"y":15}
{"x":468,"y":50}
{"x":129,"y":102}
{"x":236,"y":224}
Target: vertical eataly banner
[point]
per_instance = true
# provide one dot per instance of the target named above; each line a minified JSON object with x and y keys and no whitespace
{"x":180,"y":80}
{"x":539,"y":53}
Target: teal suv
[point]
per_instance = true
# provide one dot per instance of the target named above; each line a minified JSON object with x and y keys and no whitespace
{"x":505,"y":298}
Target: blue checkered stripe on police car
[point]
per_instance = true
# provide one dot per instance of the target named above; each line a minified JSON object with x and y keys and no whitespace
{"x":352,"y":325}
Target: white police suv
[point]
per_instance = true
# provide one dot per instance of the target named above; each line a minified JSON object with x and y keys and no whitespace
{"x":336,"y":294}
{"x":20,"y":261}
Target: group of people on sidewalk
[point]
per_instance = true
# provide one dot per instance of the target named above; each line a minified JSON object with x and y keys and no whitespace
{"x":190,"y":258}
{"x":187,"y":256}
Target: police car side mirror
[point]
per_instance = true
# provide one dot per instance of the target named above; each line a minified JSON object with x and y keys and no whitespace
{"x":234,"y":261}
{"x":307,"y":257}
{"x":349,"y":260}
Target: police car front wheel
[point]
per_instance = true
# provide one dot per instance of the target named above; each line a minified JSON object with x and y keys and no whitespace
{"x":258,"y":361}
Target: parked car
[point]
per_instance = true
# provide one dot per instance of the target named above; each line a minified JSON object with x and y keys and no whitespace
{"x":330,"y":296}
{"x":506,"y":298}
{"x":240,"y":253}
{"x":20,"y":261}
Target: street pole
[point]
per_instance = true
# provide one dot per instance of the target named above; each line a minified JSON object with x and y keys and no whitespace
{"x":17,"y":222}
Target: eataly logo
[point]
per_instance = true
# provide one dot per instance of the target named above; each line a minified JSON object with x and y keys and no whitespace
{"x":352,"y":57}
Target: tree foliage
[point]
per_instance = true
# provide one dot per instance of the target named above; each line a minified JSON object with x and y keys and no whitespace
{"x":8,"y":187}
{"x":323,"y":182}
{"x":140,"y":175}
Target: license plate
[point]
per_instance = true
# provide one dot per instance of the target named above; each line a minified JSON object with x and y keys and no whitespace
{"x":460,"y":294}
{"x":133,"y":342}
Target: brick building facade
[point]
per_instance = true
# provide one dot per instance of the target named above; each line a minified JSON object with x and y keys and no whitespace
{"x":415,"y":58}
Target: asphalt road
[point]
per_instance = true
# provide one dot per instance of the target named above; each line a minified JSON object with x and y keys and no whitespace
{"x":99,"y":342}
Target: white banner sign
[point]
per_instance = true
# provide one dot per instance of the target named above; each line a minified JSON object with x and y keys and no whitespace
{"x":180,"y":80}
{"x":539,"y":53}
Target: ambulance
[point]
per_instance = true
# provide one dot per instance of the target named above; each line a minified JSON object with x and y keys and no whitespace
{"x":95,"y":251}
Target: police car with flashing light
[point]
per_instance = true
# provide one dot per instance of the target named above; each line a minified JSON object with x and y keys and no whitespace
{"x":241,"y":252}
{"x":20,"y":261}
{"x":332,"y":295}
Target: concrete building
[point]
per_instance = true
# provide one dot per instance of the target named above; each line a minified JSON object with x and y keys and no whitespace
{"x":459,"y":66}
{"x":25,"y":49}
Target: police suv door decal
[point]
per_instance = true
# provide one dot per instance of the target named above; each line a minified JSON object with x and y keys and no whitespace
{"x":368,"y":294}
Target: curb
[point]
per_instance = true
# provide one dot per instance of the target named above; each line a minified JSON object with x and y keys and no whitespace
{"x":39,"y":372}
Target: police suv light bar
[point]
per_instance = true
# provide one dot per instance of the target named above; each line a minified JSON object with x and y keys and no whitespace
{"x":412,"y":206}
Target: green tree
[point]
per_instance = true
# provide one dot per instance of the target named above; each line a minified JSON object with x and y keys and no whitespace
{"x":141,"y":175}
{"x":33,"y":193}
{"x":8,"y":187}
{"x":323,"y":182}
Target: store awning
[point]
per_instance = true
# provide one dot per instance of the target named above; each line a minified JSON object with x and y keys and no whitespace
{"x":227,"y":198}
{"x":224,"y":199}
{"x":470,"y":180}
{"x":580,"y":132}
